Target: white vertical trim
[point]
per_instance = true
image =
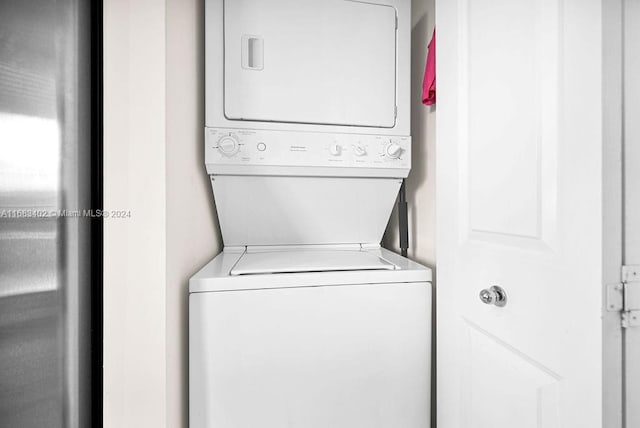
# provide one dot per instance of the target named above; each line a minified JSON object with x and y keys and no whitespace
{"x":135,"y":247}
{"x":631,"y":171}
{"x":612,"y":208}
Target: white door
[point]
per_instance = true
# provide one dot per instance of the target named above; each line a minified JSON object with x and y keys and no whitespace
{"x":308,"y":61}
{"x":519,"y":157}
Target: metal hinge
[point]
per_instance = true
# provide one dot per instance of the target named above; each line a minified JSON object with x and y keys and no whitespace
{"x":396,"y":20}
{"x":625,"y":296}
{"x":395,"y":112}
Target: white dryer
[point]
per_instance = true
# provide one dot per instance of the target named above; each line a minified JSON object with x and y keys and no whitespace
{"x":310,"y":338}
{"x":331,"y":66}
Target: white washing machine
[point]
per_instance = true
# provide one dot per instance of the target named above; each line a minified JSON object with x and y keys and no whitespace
{"x":304,"y":321}
{"x":310,"y":338}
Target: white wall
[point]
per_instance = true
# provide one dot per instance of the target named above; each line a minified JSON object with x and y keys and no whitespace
{"x":192,"y":227}
{"x":421,"y":181}
{"x":421,"y":184}
{"x":134,"y":248}
{"x":153,"y":167}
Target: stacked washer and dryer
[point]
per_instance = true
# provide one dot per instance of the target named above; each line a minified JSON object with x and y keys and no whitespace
{"x":304,"y":321}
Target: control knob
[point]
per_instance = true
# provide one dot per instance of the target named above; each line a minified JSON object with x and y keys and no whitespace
{"x":228,"y":145}
{"x":335,"y":149}
{"x":359,"y":149}
{"x":393,"y":150}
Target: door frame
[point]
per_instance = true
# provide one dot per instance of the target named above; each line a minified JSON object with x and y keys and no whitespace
{"x":612,"y":215}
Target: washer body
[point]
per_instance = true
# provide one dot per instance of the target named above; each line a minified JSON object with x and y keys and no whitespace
{"x":343,"y":348}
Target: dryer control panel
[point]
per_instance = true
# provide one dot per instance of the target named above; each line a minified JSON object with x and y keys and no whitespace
{"x":236,"y":147}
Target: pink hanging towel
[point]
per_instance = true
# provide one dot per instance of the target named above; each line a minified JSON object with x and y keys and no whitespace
{"x":429,"y":82}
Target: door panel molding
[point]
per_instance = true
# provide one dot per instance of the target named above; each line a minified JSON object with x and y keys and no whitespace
{"x":536,"y":386}
{"x":526,"y":209}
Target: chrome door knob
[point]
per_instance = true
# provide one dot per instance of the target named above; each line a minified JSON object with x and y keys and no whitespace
{"x":494,"y":296}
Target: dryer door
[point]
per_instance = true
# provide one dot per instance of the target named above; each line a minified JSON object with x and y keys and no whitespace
{"x":306,"y":61}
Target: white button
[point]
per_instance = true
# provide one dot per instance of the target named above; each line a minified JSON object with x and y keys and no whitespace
{"x":262,"y":147}
{"x":336,"y":149}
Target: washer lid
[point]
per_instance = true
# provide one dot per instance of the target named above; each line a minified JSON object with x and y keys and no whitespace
{"x":262,"y":262}
{"x":216,"y":276}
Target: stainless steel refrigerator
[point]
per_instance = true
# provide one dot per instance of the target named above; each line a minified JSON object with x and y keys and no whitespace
{"x":49,"y":257}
